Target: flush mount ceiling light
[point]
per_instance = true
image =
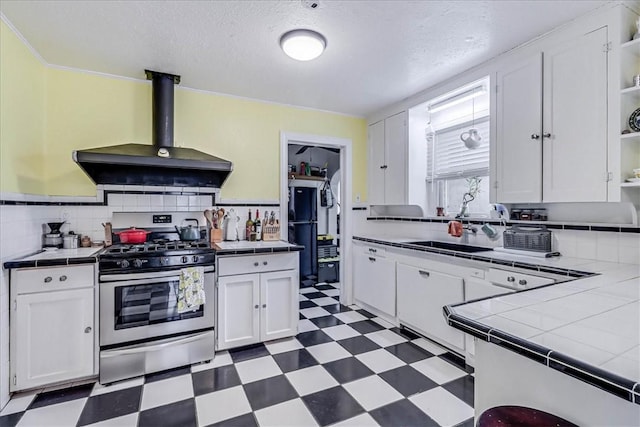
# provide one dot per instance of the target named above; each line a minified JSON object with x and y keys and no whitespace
{"x":303,"y":45}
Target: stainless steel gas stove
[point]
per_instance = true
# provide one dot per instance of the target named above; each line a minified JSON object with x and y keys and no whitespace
{"x":156,"y":255}
{"x":141,"y":330}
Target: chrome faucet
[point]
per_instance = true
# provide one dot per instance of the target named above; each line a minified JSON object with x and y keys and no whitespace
{"x":465,"y":233}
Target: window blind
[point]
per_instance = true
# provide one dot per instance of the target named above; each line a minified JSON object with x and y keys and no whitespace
{"x":449,"y":158}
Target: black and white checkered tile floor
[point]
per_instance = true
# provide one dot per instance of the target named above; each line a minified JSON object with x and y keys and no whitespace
{"x":345,"y":368}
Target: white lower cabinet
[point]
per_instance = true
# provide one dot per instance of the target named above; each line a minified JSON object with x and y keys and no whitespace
{"x":422,"y":293}
{"x":52,"y":326}
{"x":238,"y":305}
{"x":256,"y":307}
{"x":279,"y":305}
{"x":374,"y":281}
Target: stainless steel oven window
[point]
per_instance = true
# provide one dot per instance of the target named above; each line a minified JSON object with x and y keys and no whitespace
{"x":142,"y":305}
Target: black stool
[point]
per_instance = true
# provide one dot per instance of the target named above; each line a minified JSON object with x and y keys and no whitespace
{"x":520,"y":416}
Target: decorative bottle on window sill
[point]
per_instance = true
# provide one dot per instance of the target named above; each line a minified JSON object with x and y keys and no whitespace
{"x":469,"y":196}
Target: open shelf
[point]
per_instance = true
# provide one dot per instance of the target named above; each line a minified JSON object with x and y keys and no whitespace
{"x":632,"y":46}
{"x":631,"y":135}
{"x":633,"y":90}
{"x":630,"y":184}
{"x":310,"y":178}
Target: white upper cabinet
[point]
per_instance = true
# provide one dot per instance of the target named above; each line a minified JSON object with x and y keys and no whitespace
{"x":552,"y":124}
{"x":575,"y":116}
{"x":376,"y":163}
{"x":388,"y":161}
{"x":518,"y":138}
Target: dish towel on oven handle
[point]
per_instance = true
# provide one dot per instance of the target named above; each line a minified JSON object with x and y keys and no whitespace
{"x":191,"y":289}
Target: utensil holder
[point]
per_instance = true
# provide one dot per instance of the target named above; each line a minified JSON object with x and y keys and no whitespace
{"x":215,"y":235}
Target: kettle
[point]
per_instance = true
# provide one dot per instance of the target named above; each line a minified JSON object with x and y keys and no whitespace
{"x":189,"y":232}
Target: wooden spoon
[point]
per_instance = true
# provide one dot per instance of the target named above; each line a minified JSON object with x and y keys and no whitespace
{"x":208,"y":215}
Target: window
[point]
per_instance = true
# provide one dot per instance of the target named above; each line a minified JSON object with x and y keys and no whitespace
{"x":450,"y":165}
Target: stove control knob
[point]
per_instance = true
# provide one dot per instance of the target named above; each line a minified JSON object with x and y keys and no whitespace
{"x":195,"y":258}
{"x":185,"y":259}
{"x":137,"y":263}
{"x":164,"y":261}
{"x":124,"y":263}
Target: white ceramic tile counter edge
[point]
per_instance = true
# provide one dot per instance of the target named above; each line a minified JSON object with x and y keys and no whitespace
{"x":64,"y":254}
{"x":593,"y":320}
{"x":243,"y":245}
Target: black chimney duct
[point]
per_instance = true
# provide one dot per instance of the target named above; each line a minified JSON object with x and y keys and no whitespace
{"x":162,"y":107}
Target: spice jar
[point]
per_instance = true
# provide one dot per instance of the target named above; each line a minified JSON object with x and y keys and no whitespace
{"x":85,"y":242}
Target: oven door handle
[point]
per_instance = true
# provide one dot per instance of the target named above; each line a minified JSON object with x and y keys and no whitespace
{"x":174,"y":274}
{"x":156,"y":347}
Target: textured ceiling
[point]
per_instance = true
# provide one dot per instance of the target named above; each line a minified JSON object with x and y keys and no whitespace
{"x":378,"y":52}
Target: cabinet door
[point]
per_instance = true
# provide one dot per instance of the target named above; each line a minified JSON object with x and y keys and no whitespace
{"x":395,"y":147}
{"x":376,"y":163}
{"x":421,"y":295}
{"x":374,"y":280}
{"x":575,"y":115}
{"x":54,"y":337}
{"x":518,"y":136}
{"x":238,"y":310}
{"x":279,"y":304}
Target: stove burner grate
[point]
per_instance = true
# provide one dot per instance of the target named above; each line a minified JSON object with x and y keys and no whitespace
{"x":159,"y":245}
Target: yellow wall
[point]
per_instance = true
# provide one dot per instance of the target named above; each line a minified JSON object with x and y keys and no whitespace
{"x":22,"y":116}
{"x":83,"y":110}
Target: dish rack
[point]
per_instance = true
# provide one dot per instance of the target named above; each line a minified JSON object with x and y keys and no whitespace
{"x":271,"y":232}
{"x":527,"y":238}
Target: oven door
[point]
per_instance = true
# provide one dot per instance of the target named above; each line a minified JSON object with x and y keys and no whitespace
{"x":143,"y":307}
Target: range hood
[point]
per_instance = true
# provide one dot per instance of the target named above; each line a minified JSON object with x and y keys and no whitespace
{"x":160,"y":163}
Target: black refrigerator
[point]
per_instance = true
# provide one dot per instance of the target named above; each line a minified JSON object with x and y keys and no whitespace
{"x":303,"y":230}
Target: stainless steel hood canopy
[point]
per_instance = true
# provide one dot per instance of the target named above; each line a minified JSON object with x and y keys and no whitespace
{"x":160,"y":163}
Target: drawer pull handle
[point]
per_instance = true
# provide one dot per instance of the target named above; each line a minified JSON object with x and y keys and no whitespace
{"x":63,"y":278}
{"x":48,"y":279}
{"x":256,"y":306}
{"x":264,"y":305}
{"x":373,"y":250}
{"x":372,"y":259}
{"x":264,"y":263}
{"x":511,"y":279}
{"x":522,"y":282}
{"x":424,"y":273}
{"x":87,"y":329}
{"x":255,"y":264}
{"x":535,"y":136}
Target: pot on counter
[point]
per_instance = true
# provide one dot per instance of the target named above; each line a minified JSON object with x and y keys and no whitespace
{"x":132,"y":235}
{"x":189,"y":232}
{"x":71,"y":241}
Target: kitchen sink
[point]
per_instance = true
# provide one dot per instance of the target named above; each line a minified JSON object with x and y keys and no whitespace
{"x":450,"y":246}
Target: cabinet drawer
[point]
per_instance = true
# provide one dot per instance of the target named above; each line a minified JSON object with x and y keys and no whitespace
{"x":372,"y":250}
{"x":518,"y":280}
{"x":246,"y":264}
{"x":29,"y":280}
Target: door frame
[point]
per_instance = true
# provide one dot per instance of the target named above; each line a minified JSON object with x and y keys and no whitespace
{"x":346,"y":153}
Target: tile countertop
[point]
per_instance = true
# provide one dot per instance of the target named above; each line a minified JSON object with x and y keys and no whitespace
{"x":588,"y":327}
{"x":245,"y":247}
{"x":56,"y":257}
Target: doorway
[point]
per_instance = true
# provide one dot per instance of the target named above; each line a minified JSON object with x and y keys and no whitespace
{"x":315,"y":208}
